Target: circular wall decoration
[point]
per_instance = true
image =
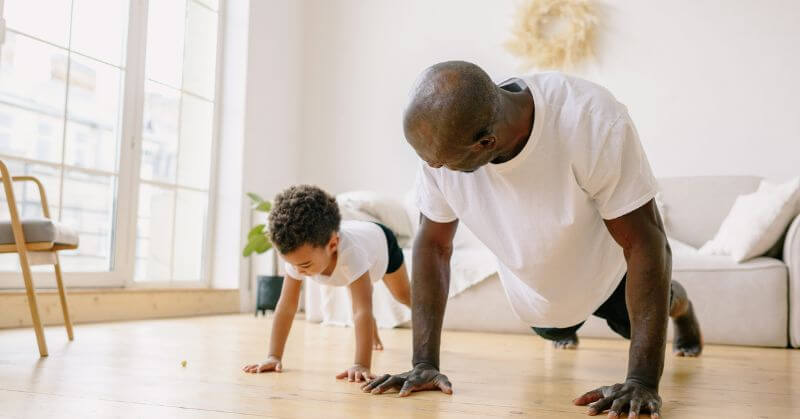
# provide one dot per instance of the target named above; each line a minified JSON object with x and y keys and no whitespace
{"x":553,"y":34}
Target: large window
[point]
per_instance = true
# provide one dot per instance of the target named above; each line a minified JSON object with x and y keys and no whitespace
{"x":111,"y":103}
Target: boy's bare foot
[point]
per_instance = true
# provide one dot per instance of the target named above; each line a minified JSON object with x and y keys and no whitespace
{"x":688,"y":340}
{"x":570,"y":342}
{"x":376,"y":340}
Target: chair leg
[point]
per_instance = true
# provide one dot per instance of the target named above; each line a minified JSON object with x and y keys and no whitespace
{"x":37,"y":322}
{"x":63,"y":296}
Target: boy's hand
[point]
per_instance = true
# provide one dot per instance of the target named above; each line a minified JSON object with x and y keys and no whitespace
{"x":271,"y":364}
{"x":357,"y":373}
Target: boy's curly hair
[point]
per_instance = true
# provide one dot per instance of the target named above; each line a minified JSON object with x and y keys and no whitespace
{"x":303,"y":214}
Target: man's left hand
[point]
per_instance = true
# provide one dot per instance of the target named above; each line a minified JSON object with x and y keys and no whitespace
{"x":631,"y":396}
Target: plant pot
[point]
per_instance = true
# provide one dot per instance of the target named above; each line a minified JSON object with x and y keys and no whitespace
{"x":269,"y":291}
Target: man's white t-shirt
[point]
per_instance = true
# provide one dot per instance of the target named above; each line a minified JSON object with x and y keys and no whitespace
{"x":362,"y":248}
{"x":541,"y":213}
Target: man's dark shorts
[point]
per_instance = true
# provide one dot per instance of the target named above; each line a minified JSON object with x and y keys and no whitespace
{"x":614,"y":311}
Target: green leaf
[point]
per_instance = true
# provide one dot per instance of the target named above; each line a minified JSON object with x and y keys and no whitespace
{"x":256,"y":231}
{"x":263,"y":247}
{"x":255,"y":241}
{"x":260,"y":242}
{"x":248,"y":250}
{"x":264,"y":206}
{"x":255,"y":197}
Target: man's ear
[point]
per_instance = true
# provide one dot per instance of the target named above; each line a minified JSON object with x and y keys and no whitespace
{"x":486,"y":143}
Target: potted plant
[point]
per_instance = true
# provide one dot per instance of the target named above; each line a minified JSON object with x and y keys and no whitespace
{"x":269,"y":286}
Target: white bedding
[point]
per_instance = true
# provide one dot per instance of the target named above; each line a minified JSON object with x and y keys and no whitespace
{"x":331,"y":305}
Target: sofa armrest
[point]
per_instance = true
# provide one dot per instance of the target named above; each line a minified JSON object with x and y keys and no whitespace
{"x":791,"y":256}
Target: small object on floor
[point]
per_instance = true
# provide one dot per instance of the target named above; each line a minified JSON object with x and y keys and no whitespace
{"x":183,"y":363}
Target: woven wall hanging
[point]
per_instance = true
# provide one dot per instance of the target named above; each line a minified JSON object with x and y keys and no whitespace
{"x":553,"y":34}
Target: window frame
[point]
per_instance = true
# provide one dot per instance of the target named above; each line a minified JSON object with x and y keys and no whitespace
{"x":123,"y":252}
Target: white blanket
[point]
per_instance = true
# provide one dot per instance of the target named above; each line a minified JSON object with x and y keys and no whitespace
{"x":331,"y":305}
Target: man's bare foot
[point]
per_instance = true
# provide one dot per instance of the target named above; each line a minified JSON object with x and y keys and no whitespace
{"x":688,"y":340}
{"x":376,"y":340}
{"x":566,"y":343}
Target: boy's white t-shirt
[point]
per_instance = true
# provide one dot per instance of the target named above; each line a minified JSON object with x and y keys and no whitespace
{"x":362,"y":248}
{"x":541,"y":213}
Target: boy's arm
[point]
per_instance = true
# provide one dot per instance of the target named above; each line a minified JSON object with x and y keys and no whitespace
{"x":284,"y":315}
{"x":361,"y":297}
{"x":281,"y":324}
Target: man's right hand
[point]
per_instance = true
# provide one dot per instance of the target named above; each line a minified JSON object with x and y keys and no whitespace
{"x":271,"y":364}
{"x":423,"y":377}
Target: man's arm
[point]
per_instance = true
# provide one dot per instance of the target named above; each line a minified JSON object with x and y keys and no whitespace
{"x":430,"y":285}
{"x":641,"y":235}
{"x":642,"y":238}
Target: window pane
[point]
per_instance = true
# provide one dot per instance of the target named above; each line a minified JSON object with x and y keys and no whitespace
{"x":197,"y":122}
{"x":154,"y":233}
{"x":199,"y":61}
{"x":190,"y":227}
{"x":98,"y":29}
{"x":93,"y":110}
{"x":160,"y":133}
{"x":32,"y":88}
{"x":45,"y":19}
{"x":33,"y":75}
{"x":166,"y":21}
{"x":88,"y":207}
{"x":30,"y":134}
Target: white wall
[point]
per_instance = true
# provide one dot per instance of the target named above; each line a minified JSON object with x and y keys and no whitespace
{"x":227,"y":263}
{"x":259,"y":129}
{"x":313,"y":91}
{"x":712,"y":85}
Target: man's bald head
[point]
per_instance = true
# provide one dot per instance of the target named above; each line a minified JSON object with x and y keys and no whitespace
{"x":452,"y":106}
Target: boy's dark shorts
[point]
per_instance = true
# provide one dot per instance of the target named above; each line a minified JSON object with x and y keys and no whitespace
{"x":395,"y":252}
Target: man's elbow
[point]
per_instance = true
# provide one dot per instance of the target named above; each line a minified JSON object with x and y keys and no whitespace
{"x":653,"y":248}
{"x":433,"y":247}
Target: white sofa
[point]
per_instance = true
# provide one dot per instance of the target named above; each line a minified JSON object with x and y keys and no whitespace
{"x":754,"y":303}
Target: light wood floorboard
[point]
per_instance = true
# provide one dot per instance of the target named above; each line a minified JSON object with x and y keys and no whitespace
{"x":133,"y":369}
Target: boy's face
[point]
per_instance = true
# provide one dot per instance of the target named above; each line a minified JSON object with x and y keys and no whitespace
{"x":310,"y":260}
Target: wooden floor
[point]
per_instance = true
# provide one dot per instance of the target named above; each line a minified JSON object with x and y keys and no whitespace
{"x":134,"y":370}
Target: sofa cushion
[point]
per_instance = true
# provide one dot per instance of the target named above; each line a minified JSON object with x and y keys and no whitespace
{"x":696,"y":206}
{"x":736,"y":303}
{"x":756,"y":221}
{"x":740,"y":304}
{"x":40,"y":230}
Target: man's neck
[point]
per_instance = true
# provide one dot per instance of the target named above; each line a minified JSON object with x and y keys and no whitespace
{"x":519,"y":109}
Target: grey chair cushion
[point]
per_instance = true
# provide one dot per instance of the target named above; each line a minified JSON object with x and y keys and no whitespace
{"x":40,"y":230}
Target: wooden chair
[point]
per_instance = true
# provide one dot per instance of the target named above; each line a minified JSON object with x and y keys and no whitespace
{"x":44,"y":239}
